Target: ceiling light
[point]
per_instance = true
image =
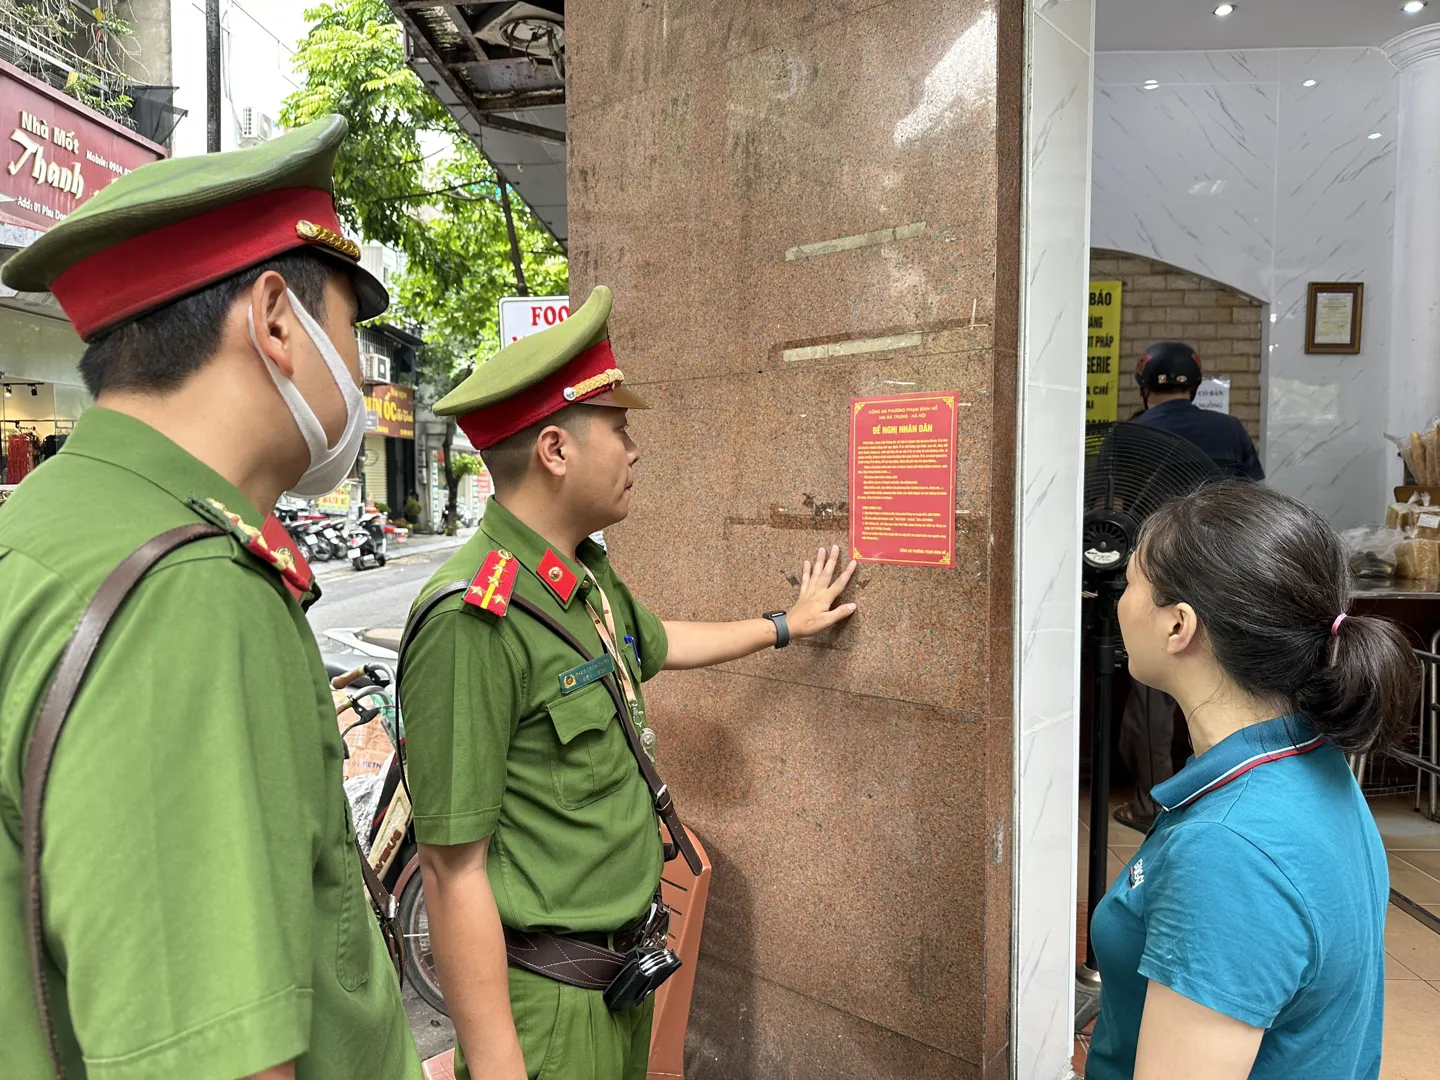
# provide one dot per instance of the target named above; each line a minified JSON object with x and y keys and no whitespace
{"x":34,"y":390}
{"x":1224,"y":9}
{"x":1373,"y":135}
{"x":1152,"y":84}
{"x":1308,"y":82}
{"x":8,"y":391}
{"x":1413,"y":7}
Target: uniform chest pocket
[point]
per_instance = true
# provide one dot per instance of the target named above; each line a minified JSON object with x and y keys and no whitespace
{"x":589,"y":758}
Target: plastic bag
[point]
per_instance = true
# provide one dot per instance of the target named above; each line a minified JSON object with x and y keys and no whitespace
{"x":1373,"y":551}
{"x":363,"y":794}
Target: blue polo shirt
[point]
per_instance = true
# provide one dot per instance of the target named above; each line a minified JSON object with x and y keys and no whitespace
{"x":1259,"y":892}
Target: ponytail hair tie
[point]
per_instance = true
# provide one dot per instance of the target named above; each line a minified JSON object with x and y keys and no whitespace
{"x":1335,"y":626}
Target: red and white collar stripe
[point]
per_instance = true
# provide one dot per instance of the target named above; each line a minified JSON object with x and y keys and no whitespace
{"x":1245,"y":766}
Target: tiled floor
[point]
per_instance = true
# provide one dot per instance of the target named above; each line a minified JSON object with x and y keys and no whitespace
{"x":1412,"y":950}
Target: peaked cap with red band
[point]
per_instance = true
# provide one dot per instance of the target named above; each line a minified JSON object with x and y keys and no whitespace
{"x":539,"y":375}
{"x":173,"y":227}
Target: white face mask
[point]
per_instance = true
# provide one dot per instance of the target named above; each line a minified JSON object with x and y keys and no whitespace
{"x":329,"y":465}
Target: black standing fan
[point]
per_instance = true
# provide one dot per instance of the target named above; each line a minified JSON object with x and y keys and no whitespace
{"x":1136,"y":469}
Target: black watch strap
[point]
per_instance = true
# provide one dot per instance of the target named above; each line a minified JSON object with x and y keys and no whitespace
{"x":782,"y":628}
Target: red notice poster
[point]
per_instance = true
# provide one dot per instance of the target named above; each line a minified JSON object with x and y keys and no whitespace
{"x":902,"y":479}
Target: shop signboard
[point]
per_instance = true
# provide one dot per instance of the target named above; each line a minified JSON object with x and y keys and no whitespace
{"x":390,"y":410}
{"x":58,"y":153}
{"x":1102,"y":382}
{"x":521,"y":316}
{"x":339,"y":500}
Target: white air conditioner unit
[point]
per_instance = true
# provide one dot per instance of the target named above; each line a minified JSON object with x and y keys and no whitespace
{"x":375,"y":367}
{"x":255,"y":126}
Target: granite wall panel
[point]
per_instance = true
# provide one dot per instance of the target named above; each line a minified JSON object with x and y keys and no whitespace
{"x":797,"y":205}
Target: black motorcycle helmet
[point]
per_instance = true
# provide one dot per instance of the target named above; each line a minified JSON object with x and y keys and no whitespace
{"x":1168,"y":366}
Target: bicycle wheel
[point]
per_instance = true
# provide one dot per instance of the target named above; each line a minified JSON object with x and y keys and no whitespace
{"x":419,"y":960}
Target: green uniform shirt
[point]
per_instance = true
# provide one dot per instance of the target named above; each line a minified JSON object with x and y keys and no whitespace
{"x":203,"y":900}
{"x":495,"y":749}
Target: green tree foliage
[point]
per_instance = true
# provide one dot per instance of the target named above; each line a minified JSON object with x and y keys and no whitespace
{"x":408,"y":176}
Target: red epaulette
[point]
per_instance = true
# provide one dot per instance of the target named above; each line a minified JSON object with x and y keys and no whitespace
{"x":490,"y":590}
{"x":283,"y":558}
{"x":283,"y":546}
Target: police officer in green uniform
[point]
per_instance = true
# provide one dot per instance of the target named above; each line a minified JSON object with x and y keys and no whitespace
{"x":203,"y":909}
{"x":537,"y":829}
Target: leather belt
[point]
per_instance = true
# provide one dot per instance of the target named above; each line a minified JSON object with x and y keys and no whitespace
{"x":620,"y":943}
{"x":575,"y":960}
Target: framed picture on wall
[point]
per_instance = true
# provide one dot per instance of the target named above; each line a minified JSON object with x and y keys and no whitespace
{"x":1332,"y":317}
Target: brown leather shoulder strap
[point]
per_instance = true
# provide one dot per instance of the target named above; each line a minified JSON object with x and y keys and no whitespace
{"x":50,"y":720}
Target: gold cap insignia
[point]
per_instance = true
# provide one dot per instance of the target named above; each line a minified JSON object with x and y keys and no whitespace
{"x":603,"y":381}
{"x":318,"y":234}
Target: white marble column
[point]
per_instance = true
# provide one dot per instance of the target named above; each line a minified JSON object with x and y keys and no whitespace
{"x":1415,"y":310}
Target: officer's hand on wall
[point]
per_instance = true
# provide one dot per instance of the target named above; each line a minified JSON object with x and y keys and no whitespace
{"x":812,"y":611}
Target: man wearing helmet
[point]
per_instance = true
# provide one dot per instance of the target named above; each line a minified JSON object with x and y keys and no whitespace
{"x":1169,"y":375}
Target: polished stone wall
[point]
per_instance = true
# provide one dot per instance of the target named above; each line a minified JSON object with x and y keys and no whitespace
{"x":798,"y":204}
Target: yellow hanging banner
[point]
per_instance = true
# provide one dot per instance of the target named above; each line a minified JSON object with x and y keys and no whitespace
{"x":1102,"y":384}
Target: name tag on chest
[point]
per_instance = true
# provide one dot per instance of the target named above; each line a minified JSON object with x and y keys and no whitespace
{"x":586,"y":673}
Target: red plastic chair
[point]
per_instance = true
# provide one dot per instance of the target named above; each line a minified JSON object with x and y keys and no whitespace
{"x":685,"y":894}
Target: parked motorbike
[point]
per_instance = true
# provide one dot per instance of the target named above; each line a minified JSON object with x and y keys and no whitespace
{"x":382,"y":806}
{"x":367,"y":541}
{"x":325,"y":539}
{"x":334,"y":534}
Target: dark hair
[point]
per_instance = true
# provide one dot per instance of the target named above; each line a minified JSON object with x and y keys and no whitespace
{"x":160,"y":350}
{"x":1267,"y":576}
{"x":508,"y":459}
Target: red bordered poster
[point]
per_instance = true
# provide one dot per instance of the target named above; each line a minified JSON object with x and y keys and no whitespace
{"x":902,"y":479}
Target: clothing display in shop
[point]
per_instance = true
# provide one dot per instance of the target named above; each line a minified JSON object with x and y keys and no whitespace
{"x":50,"y":446}
{"x":22,"y":450}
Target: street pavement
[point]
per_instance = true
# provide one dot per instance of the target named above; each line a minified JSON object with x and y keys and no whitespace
{"x":380,"y":598}
{"x":377,"y":597}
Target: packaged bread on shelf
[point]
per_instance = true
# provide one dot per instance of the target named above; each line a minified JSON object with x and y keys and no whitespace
{"x":1417,"y":559}
{"x":1427,"y":523}
{"x":1400,"y":515}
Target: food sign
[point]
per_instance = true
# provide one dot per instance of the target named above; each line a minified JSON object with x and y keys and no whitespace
{"x":521,"y":316}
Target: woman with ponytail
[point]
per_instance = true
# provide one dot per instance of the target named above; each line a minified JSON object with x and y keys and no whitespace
{"x":1247,"y":936}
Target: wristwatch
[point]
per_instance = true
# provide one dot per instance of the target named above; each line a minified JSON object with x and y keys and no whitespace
{"x":782,"y":628}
